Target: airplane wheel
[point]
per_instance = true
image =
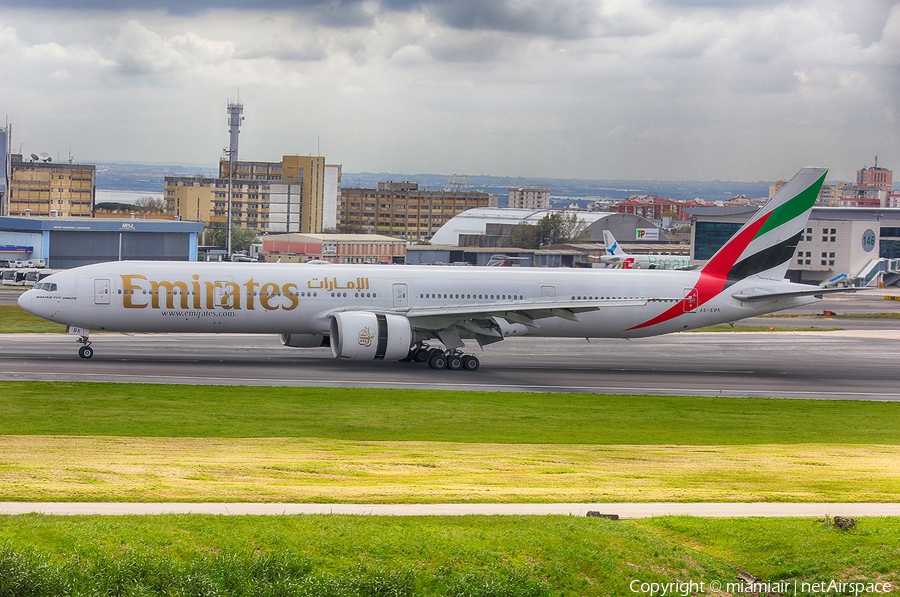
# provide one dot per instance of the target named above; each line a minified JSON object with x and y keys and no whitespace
{"x":454,"y":362}
{"x":409,"y":357}
{"x":85,"y":352}
{"x":470,"y":362}
{"x":421,"y":355}
{"x":438,"y":361}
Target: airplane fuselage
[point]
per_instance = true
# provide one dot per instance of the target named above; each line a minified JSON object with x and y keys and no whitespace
{"x":133,"y":296}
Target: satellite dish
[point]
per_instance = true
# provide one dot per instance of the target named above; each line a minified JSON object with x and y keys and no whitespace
{"x":45,"y":157}
{"x":34,"y":157}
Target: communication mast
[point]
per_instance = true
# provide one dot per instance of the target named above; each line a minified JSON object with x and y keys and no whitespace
{"x":235,"y":111}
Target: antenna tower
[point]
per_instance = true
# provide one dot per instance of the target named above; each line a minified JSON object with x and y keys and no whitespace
{"x":235,"y":111}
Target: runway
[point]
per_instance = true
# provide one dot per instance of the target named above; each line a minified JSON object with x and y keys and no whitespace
{"x":858,"y":363}
{"x":855,"y":364}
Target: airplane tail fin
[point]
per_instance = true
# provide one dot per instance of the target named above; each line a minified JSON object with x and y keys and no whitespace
{"x":765,"y":245}
{"x":612,"y":247}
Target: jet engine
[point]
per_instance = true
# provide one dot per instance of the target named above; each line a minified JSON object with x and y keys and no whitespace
{"x":304,"y":340}
{"x":366,"y":336}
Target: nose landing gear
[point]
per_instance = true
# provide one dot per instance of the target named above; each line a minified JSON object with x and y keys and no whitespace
{"x":85,"y":351}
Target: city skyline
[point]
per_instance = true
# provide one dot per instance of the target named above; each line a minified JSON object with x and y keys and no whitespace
{"x":649,"y":90}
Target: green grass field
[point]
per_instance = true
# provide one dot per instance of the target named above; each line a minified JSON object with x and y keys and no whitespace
{"x":19,"y":321}
{"x":358,"y":414}
{"x":467,"y":555}
{"x":146,"y":442}
{"x":137,"y":442}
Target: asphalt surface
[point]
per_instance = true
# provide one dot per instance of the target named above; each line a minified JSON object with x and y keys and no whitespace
{"x":856,"y":363}
{"x":852,"y":364}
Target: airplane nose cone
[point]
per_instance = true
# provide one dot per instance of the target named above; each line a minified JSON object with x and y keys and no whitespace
{"x":25,"y":300}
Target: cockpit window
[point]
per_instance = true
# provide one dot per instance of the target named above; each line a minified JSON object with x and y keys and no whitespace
{"x":45,"y":286}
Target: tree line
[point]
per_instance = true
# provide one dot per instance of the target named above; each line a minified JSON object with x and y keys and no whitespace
{"x":553,"y":229}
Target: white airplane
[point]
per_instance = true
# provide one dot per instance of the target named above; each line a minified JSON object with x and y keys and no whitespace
{"x":617,"y":257}
{"x":379,"y":312}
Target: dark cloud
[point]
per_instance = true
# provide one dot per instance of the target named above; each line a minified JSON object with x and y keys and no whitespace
{"x":190,"y":8}
{"x":568,"y":19}
{"x":716,"y":4}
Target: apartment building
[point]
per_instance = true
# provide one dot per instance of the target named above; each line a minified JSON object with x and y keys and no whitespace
{"x":292,"y":195}
{"x":402,"y":210}
{"x":529,"y":198}
{"x":40,"y":187}
{"x":875,"y":177}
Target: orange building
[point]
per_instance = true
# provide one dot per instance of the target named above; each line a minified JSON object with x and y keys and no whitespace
{"x":42,"y":188}
{"x":402,"y":210}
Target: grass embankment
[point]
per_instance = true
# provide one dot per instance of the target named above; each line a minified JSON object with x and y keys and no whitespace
{"x":151,"y":442}
{"x":18,"y":321}
{"x":134,"y":442}
{"x":471,"y":555}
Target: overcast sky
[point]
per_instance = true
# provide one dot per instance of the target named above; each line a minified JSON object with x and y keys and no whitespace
{"x":603,"y":89}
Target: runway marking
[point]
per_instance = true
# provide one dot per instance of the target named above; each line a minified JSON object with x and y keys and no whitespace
{"x":488,"y":386}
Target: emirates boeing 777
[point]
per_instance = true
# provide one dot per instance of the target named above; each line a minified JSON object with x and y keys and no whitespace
{"x":425,"y":313}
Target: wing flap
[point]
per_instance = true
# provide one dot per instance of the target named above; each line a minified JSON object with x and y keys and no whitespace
{"x":530,"y":310}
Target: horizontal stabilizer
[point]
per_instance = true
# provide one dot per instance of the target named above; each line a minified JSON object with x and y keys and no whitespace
{"x":762,"y":294}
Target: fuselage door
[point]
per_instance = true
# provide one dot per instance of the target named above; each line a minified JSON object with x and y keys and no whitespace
{"x":101,"y":291}
{"x":400,"y":295}
{"x":219,"y":293}
{"x":548,"y":292}
{"x":691,"y":300}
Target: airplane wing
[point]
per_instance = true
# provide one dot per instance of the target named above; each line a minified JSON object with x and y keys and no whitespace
{"x":451,"y":323}
{"x":763,"y":294}
{"x":522,"y":311}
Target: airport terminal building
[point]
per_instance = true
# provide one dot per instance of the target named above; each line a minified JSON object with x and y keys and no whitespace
{"x":861,"y":242}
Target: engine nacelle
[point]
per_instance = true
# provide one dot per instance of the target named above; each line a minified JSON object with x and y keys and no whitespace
{"x":304,"y":340}
{"x":366,"y":336}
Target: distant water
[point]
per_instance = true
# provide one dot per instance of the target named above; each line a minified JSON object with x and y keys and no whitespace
{"x":124,"y":196}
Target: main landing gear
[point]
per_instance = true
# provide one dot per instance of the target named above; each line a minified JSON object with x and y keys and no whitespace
{"x":438,"y":358}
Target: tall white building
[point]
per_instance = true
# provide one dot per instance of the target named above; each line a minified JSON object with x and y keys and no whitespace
{"x":529,"y":198}
{"x":4,"y":171}
{"x":331,"y":195}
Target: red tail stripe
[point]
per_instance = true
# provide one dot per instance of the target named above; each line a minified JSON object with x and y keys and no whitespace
{"x":713,"y":276}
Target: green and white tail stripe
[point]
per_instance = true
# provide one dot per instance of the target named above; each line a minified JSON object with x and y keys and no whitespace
{"x":765,"y":245}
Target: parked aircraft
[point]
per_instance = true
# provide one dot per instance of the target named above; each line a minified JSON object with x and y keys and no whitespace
{"x":617,"y":257}
{"x":384,"y":312}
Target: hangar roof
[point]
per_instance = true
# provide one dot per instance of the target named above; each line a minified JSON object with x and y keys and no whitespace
{"x":40,"y":224}
{"x":475,"y":221}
